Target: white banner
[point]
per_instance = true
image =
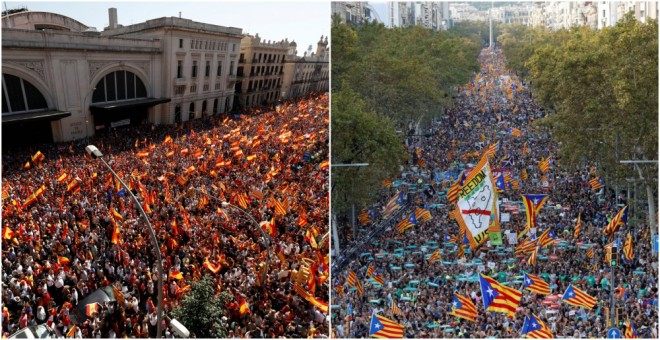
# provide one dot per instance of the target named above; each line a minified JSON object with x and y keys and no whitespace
{"x":477,"y":204}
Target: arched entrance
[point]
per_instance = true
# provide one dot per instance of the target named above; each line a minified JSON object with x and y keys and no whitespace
{"x":119,"y":99}
{"x":191,"y":111}
{"x":177,"y":114}
{"x":215,"y":106}
{"x":26,"y":118}
{"x":204,"y":113}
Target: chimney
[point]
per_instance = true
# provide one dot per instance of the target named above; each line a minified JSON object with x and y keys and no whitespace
{"x":112,"y":12}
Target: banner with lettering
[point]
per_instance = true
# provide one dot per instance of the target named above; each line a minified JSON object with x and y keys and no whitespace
{"x":476,"y":208}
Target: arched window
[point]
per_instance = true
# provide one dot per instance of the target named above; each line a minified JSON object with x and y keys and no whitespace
{"x":119,"y":85}
{"x":191,"y":113}
{"x":18,"y":95}
{"x":215,"y":106}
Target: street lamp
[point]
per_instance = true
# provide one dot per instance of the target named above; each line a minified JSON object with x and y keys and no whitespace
{"x":94,"y":152}
{"x":264,"y":234}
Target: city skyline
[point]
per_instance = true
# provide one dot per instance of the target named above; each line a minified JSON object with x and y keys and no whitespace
{"x":274,"y":21}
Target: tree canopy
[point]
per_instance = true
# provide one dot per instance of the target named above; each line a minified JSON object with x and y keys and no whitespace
{"x":201,"y":312}
{"x":382,"y":78}
{"x":601,"y":86}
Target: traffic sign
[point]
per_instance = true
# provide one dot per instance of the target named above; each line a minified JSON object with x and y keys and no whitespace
{"x":614,"y":333}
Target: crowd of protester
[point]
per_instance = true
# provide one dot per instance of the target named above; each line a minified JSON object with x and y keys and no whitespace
{"x":83,"y":232}
{"x":485,"y":110}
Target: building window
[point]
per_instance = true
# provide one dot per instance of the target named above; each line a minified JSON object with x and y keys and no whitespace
{"x":192,"y":44}
{"x":191,"y":111}
{"x":218,"y":86}
{"x":233,"y":47}
{"x":179,"y":89}
{"x":180,"y":43}
{"x":193,"y":88}
{"x":231,"y":68}
{"x":179,"y":69}
{"x":206,"y":87}
{"x":219,"y":70}
{"x":194,"y":69}
{"x":207,"y":70}
{"x":119,"y":85}
{"x":18,"y":95}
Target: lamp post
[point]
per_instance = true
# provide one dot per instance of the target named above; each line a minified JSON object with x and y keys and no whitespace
{"x":94,"y":152}
{"x":264,"y":234}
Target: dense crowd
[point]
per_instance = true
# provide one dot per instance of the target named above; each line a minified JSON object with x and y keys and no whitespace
{"x":83,"y":232}
{"x":486,"y":112}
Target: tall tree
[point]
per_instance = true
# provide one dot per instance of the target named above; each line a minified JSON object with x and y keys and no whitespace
{"x":201,"y":311}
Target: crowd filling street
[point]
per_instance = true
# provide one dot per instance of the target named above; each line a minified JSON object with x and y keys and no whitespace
{"x":69,"y":228}
{"x":494,"y":109}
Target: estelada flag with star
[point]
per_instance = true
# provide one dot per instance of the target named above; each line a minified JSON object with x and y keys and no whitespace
{"x":382,"y":327}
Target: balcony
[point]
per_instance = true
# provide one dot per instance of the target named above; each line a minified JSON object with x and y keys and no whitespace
{"x":231,"y":77}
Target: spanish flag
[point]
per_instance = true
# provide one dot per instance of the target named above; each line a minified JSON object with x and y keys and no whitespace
{"x":38,"y":157}
{"x":34,"y":195}
{"x":244,"y":308}
{"x":212,"y":266}
{"x":27,"y":165}
{"x":8,"y":234}
{"x":167,"y":140}
{"x":116,"y":235}
{"x":63,"y":260}
{"x":91,"y":309}
{"x":115,"y":214}
{"x":175,"y":274}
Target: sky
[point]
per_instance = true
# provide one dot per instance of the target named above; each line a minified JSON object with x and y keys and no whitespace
{"x":303,"y":22}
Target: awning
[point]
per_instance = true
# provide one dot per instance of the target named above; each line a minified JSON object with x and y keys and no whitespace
{"x":146,"y":102}
{"x":29,"y":117}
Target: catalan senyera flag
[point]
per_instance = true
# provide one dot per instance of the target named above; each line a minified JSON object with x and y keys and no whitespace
{"x":382,"y":327}
{"x":515,"y":132}
{"x":630,"y":331}
{"x":322,"y":306}
{"x":536,"y":284}
{"x":71,"y":332}
{"x":533,"y":256}
{"x":395,"y":309}
{"x":407,"y":223}
{"x":523,"y":175}
{"x":628,"y":248}
{"x":608,"y":252}
{"x":498,"y":297}
{"x":387,"y":183}
{"x":358,"y":285}
{"x":370,"y":270}
{"x":616,"y":221}
{"x":544,"y":165}
{"x":463,"y":307}
{"x":535,"y":328}
{"x":454,"y":189}
{"x":590,"y":252}
{"x":574,"y":296}
{"x":578,"y":226}
{"x":435,"y":257}
{"x":352,"y":278}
